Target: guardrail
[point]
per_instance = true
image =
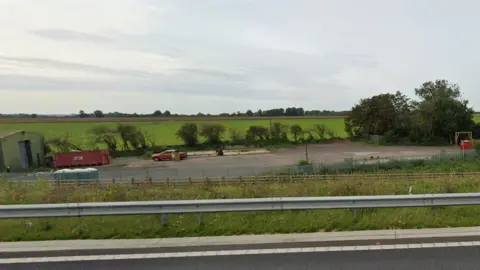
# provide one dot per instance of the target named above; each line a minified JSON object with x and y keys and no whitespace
{"x":235,"y":205}
{"x":268,"y":178}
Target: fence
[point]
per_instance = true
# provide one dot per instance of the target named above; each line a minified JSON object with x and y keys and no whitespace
{"x":349,"y":184}
{"x":371,"y":165}
{"x":235,"y":205}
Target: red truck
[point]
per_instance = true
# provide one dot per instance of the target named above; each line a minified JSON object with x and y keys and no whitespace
{"x":168,"y":155}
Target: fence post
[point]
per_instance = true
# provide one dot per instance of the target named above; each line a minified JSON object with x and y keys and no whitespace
{"x":168,"y":181}
{"x":164,"y":219}
{"x":190,"y":180}
{"x":113,"y":180}
{"x":133,"y":181}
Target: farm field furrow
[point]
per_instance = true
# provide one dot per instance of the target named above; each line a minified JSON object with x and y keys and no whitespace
{"x":163,"y":132}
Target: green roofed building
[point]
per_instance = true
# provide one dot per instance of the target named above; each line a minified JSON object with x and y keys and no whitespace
{"x":21,"y":150}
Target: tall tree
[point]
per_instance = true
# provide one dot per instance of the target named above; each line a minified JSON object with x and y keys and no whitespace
{"x":441,"y":109}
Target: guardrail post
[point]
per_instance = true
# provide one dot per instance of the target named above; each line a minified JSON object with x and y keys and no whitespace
{"x":199,"y":218}
{"x":190,"y":180}
{"x":355,"y":217}
{"x":133,"y":180}
{"x":164,"y":219}
{"x":113,"y":180}
{"x":168,"y":181}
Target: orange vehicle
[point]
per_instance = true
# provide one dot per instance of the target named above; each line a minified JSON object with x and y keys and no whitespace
{"x":169,"y":155}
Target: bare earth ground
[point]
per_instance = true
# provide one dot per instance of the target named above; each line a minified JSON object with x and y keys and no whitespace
{"x":232,"y":166}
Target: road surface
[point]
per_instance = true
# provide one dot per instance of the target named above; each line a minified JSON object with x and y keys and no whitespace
{"x":449,"y":248}
{"x":387,"y":257}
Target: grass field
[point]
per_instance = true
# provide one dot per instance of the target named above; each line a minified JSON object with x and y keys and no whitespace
{"x":162,"y":131}
{"x":147,"y":226}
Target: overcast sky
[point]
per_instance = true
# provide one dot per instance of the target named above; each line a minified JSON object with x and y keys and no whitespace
{"x":61,"y":56}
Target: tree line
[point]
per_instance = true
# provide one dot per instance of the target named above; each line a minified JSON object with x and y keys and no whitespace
{"x":292,"y":111}
{"x":128,"y":137}
{"x":434,"y":117}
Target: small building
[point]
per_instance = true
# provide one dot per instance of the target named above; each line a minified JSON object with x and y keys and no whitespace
{"x":21,"y":150}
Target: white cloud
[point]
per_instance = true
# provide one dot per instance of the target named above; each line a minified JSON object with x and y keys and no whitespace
{"x":214,"y":55}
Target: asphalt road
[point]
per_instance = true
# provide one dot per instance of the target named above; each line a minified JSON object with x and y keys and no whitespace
{"x":450,"y":258}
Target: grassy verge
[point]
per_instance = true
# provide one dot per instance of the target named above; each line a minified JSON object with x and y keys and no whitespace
{"x":232,"y":223}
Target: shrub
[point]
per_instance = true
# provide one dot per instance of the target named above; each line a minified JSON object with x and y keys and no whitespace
{"x":212,"y":133}
{"x":188,"y":133}
{"x":296,"y":131}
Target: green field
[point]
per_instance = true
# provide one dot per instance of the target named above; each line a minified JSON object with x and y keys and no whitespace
{"x":163,"y":132}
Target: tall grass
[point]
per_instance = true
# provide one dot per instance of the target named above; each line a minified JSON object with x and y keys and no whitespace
{"x":232,"y":223}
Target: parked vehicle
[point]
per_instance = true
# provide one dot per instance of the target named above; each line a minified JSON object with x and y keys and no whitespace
{"x":171,"y":154}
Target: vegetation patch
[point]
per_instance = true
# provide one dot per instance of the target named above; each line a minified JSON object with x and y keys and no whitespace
{"x":147,"y":226}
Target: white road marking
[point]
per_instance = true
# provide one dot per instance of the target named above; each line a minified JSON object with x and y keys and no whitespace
{"x":232,"y":252}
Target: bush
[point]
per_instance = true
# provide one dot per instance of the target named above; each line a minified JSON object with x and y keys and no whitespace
{"x":212,"y":133}
{"x":296,"y":131}
{"x":188,"y":133}
{"x":256,"y":134}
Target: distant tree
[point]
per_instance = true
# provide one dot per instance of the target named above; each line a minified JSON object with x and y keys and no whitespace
{"x":188,"y":133}
{"x":249,"y":113}
{"x":82,"y":114}
{"x":98,"y":114}
{"x":212,"y":133}
{"x":157,"y":113}
{"x":296,"y":131}
{"x":33,"y":115}
{"x":167,"y":113}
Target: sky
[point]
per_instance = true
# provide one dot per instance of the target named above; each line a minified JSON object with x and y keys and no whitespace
{"x":212,"y":56}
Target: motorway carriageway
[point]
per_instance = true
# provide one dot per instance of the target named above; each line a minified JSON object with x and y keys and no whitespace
{"x":406,"y":249}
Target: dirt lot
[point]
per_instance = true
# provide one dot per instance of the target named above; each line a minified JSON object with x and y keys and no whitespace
{"x":326,"y":153}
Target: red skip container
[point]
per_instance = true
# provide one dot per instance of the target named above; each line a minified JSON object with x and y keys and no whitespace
{"x":82,"y":158}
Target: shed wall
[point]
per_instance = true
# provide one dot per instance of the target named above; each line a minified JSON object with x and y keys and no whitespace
{"x":11,"y":149}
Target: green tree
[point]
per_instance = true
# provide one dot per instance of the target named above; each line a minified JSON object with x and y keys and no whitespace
{"x":212,"y":133}
{"x":82,"y":114}
{"x":132,"y":136}
{"x":376,"y":115}
{"x":188,"y":133}
{"x":441,"y":110}
{"x":98,"y":114}
{"x":256,"y":134}
{"x":279,"y":132}
{"x":296,"y":131}
{"x":105,"y":135}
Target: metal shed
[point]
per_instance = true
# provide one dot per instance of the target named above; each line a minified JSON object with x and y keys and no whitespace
{"x":21,"y":150}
